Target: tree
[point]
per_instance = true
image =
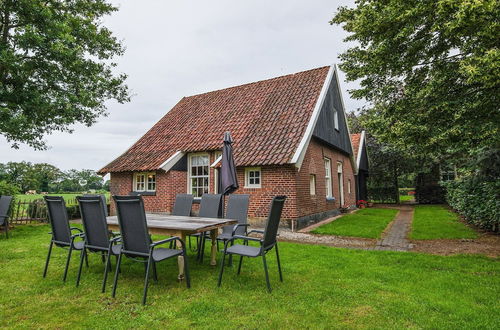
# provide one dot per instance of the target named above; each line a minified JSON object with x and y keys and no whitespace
{"x":44,"y":174}
{"x":56,"y":67}
{"x":430,"y":70}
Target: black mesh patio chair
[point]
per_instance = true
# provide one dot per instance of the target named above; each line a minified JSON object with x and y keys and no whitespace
{"x":210,"y":207}
{"x":237,"y":209}
{"x":5,"y":202}
{"x":98,"y":239}
{"x":62,"y":233}
{"x":137,"y":244}
{"x":103,"y":198}
{"x":266,"y":243}
{"x":183,"y":204}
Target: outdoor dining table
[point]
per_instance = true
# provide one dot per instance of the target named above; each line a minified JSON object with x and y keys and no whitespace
{"x":181,"y":226}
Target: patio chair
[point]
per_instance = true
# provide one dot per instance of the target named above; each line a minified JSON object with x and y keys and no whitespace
{"x":5,"y":202}
{"x":62,"y":235}
{"x":266,"y":243}
{"x":237,"y":209}
{"x":210,"y":207}
{"x":98,"y":239}
{"x":103,"y":198}
{"x":183,"y":204}
{"x":136,"y":242}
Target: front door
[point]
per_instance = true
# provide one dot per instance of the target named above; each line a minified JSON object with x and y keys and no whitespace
{"x":341,"y":183}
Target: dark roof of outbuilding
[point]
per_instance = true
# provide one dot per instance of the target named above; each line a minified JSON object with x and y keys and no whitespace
{"x":267,"y":120}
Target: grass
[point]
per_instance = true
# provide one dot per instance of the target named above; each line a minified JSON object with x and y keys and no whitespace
{"x":323,"y":287}
{"x":367,"y":223}
{"x":67,"y":196}
{"x":406,"y":198}
{"x":438,"y":222}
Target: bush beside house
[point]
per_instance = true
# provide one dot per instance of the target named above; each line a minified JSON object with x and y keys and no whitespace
{"x":477,"y":200}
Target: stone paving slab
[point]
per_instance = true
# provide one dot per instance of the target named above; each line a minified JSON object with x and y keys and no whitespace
{"x":394,"y":237}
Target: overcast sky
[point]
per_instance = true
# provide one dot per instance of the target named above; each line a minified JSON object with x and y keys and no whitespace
{"x":181,"y":48}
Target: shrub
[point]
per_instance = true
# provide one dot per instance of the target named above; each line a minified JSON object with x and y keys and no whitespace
{"x":477,"y":199}
{"x":8,"y":189}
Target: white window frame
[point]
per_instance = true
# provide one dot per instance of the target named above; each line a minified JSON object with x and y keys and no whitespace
{"x":328,"y":177}
{"x":247,"y":177}
{"x":189,"y":176}
{"x":349,"y":186}
{"x":145,"y":175}
{"x":217,"y":155}
{"x":340,"y":177}
{"x":312,"y":184}
{"x":336,"y":119}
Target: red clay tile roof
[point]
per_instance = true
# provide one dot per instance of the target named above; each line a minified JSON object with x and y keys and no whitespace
{"x":355,"y":139}
{"x":267,"y":120}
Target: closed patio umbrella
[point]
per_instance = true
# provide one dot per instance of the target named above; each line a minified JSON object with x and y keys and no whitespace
{"x":229,"y":181}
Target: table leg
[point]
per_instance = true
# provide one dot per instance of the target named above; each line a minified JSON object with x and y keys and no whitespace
{"x":213,"y":254}
{"x":180,"y":259}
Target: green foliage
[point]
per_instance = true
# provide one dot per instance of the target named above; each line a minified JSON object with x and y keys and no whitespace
{"x":56,"y":67}
{"x":388,"y":164}
{"x":437,"y":222}
{"x":430,"y":69}
{"x":368,"y":223}
{"x":8,"y":189}
{"x":477,"y":199}
{"x":44,"y":177}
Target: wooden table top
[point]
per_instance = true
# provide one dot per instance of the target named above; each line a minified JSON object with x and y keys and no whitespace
{"x":180,"y":223}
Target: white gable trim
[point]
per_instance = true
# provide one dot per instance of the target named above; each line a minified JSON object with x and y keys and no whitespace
{"x":299,"y":154}
{"x":171,"y":161}
{"x":353,"y":162}
{"x":361,"y":145}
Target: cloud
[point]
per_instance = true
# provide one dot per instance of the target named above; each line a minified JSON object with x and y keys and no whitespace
{"x":181,"y":48}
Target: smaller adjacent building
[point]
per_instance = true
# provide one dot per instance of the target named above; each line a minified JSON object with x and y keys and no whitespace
{"x":361,"y":157}
{"x":290,"y":138}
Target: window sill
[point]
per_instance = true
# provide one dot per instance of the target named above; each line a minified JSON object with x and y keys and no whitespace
{"x":330,"y":199}
{"x":143,"y":193}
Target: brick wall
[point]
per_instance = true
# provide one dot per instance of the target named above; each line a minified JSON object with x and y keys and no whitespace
{"x":314,"y":164}
{"x":275,"y":180}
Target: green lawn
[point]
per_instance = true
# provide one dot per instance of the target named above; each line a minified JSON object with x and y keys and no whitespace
{"x":436,"y":222}
{"x":368,"y":223}
{"x":324,"y":287}
{"x":67,"y":196}
{"x":406,"y":198}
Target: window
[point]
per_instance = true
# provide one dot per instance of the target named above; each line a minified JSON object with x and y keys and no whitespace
{"x":312,"y":184}
{"x":448,"y":172}
{"x":340,"y":177}
{"x":145,"y":181}
{"x":198,"y":174}
{"x":328,"y":178}
{"x":216,"y":172}
{"x":336,"y":119}
{"x":253,"y":177}
{"x":348,"y":186}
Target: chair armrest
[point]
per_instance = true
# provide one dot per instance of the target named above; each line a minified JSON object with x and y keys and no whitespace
{"x":77,"y":235}
{"x":115,"y":239}
{"x":153,"y":245}
{"x":239,"y":225}
{"x":258,"y":231}
{"x":255,"y":239}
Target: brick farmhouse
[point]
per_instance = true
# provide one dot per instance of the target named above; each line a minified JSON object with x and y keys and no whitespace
{"x":290,"y":138}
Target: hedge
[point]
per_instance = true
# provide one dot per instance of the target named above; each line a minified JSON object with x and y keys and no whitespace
{"x":477,"y":199}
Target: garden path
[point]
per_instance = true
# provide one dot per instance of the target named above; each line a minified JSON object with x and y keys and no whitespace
{"x":394,"y":237}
